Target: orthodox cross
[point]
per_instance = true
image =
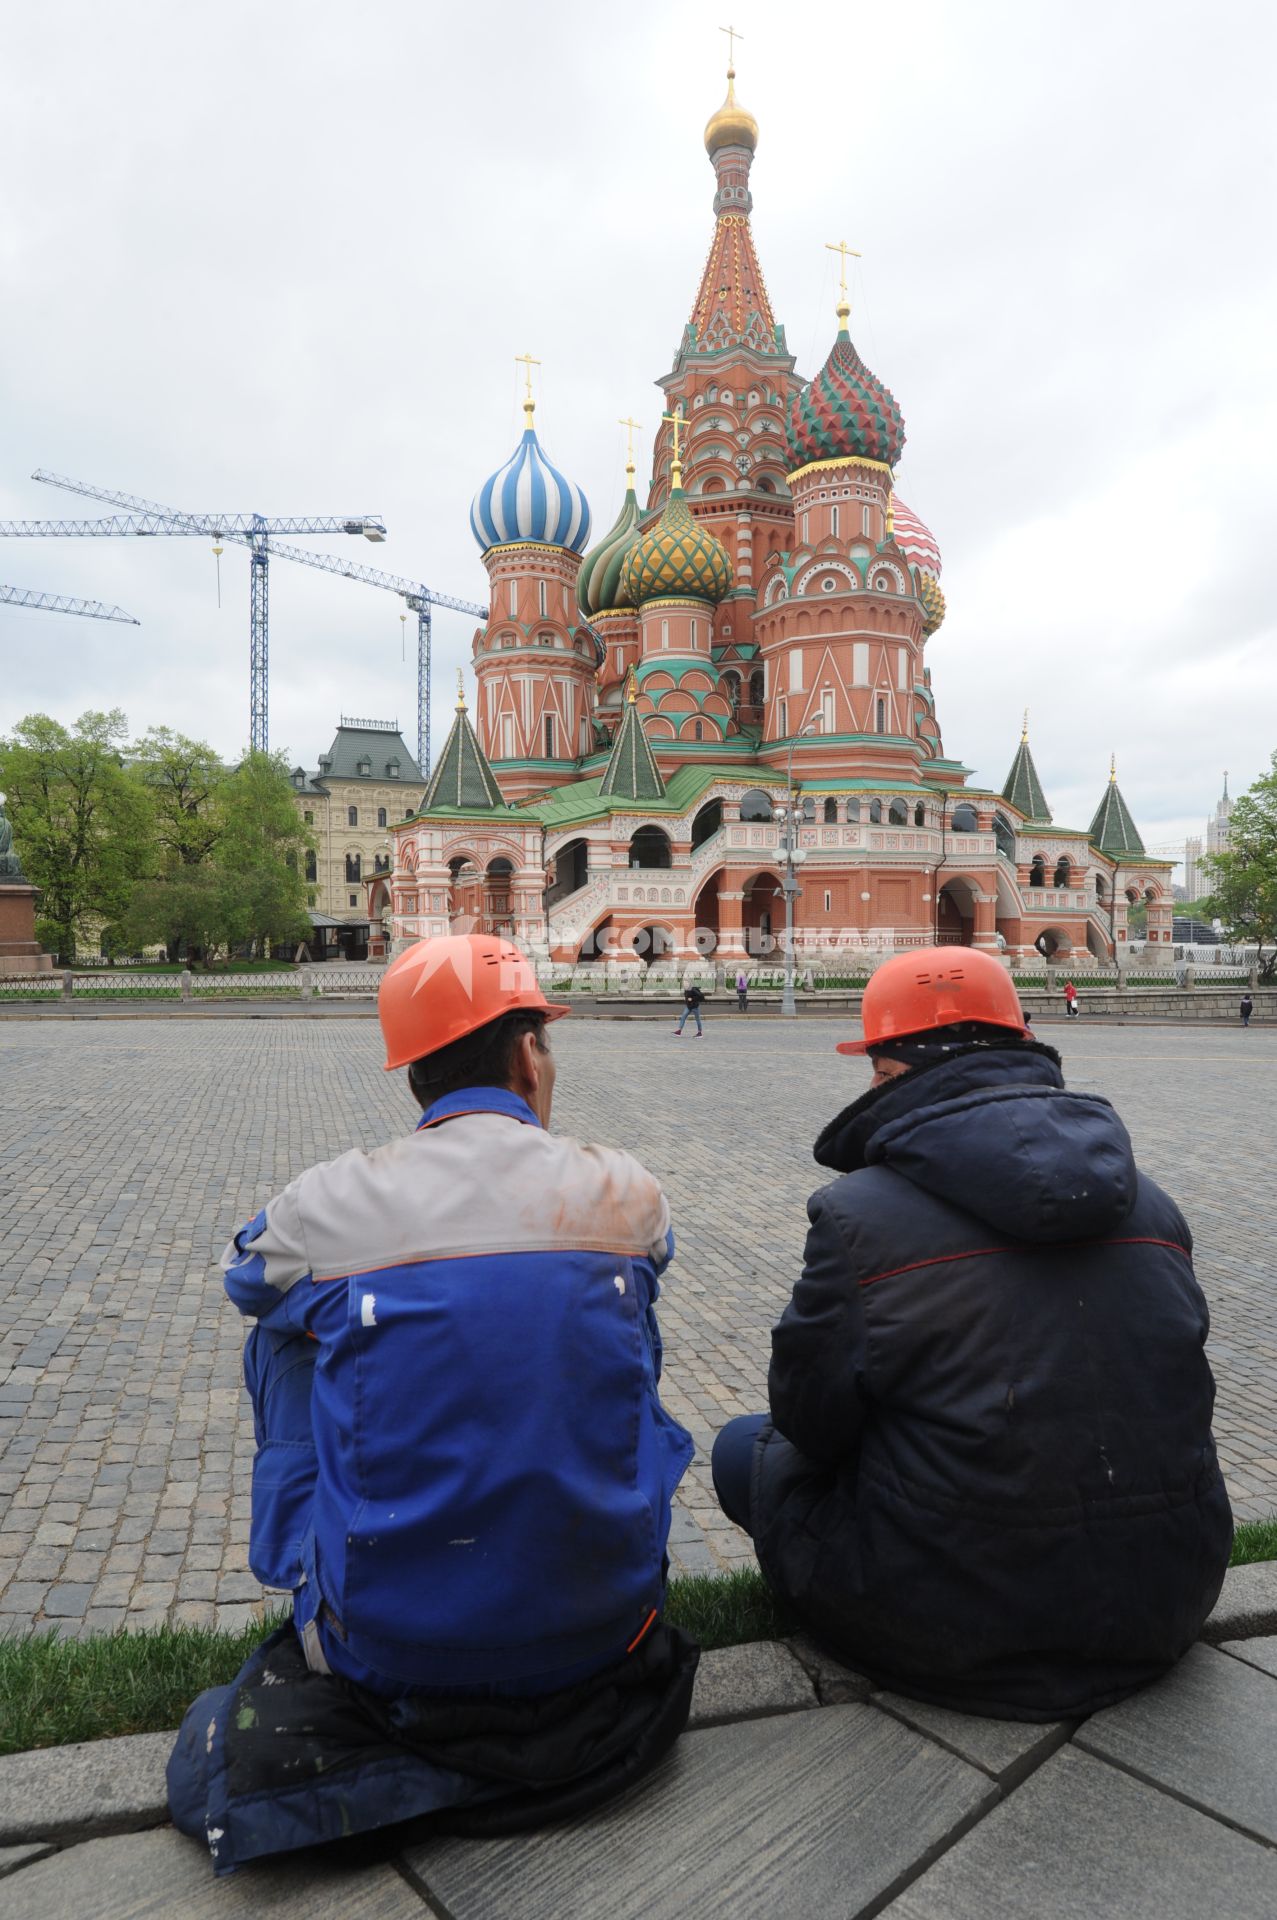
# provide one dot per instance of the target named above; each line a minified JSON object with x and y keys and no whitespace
{"x":461,"y":692}
{"x":631,"y":428}
{"x":676,"y":419}
{"x":1024,"y":732}
{"x":841,"y":248}
{"x":526,"y":361}
{"x":733,"y":35}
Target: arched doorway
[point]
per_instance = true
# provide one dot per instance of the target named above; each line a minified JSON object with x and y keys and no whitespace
{"x":756,"y":805}
{"x":707,"y":823}
{"x":465,"y":894}
{"x":1053,"y":943}
{"x":762,"y":914}
{"x":496,"y":896}
{"x":706,"y":926}
{"x":955,"y":914}
{"x":571,"y":871}
{"x":652,"y":944}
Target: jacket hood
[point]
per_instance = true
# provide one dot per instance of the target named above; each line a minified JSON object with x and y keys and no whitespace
{"x":997,"y":1133}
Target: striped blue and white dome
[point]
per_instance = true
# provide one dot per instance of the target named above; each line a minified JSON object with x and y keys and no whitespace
{"x":528,"y":499}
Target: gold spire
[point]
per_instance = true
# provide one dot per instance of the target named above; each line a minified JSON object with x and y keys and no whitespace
{"x":461,"y":692}
{"x":1112,"y":769}
{"x":843,"y":309}
{"x":1024,"y":730}
{"x":676,"y":420}
{"x":631,"y":688}
{"x":631,"y":427}
{"x":526,"y":361}
{"x":731,"y":126}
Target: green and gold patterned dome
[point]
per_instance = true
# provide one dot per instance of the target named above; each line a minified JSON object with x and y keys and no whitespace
{"x":932,"y":598}
{"x":599,"y":584}
{"x":676,"y":557}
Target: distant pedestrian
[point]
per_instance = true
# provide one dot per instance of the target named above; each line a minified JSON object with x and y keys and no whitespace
{"x":1248,"y":1007}
{"x":742,"y":991}
{"x":693,"y":999}
{"x":1070,"y":1000}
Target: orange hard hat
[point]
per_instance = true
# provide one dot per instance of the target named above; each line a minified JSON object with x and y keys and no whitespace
{"x":932,"y":987}
{"x":442,"y":989}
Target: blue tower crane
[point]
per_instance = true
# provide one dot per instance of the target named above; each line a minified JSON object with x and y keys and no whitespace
{"x":63,"y":603}
{"x":419,"y":599}
{"x":253,"y":530}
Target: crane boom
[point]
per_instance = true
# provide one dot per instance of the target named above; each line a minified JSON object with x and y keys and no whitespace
{"x":370,"y":525}
{"x":172,"y":526}
{"x":64,"y":603}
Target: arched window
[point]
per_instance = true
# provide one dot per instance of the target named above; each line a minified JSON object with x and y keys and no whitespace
{"x":312,"y":870}
{"x":898,"y":814}
{"x":875,"y":813}
{"x":964,"y":820}
{"x":352,"y":816}
{"x":755,"y":805}
{"x":1061,"y":878}
{"x":882,"y":716}
{"x":1003,"y":836}
{"x":381,"y":816}
{"x":831,"y":812}
{"x":698,"y":730}
{"x":853,"y":812}
{"x":707,"y":823}
{"x":756,"y":687}
{"x":731,"y":687}
{"x":309,"y":818}
{"x":1037,"y":872}
{"x":920,"y":815}
{"x":352,"y":867}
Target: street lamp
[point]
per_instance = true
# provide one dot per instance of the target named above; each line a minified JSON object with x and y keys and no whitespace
{"x":794,"y":857}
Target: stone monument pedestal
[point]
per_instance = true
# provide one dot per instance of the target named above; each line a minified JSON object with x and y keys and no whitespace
{"x":20,"y":952}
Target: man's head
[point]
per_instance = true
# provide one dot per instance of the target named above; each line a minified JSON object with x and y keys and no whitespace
{"x":924,"y":1005}
{"x":465,"y":1010}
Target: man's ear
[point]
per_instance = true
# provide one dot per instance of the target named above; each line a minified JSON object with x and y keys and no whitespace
{"x":526,"y":1062}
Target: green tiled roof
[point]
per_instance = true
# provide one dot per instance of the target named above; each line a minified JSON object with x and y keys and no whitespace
{"x":631,"y":772}
{"x":463,"y":777}
{"x":381,"y":745}
{"x":1022,"y":786}
{"x":1112,"y":830}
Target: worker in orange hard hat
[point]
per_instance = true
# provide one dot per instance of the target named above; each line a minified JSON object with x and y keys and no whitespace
{"x":464,"y":1470}
{"x":987,"y":1477}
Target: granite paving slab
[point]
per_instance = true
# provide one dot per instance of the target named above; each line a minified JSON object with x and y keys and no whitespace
{"x":1005,"y":1749}
{"x":100,"y":1786}
{"x":11,"y":1858}
{"x":739,"y":1683}
{"x":812,"y":1813}
{"x":1080,"y":1840}
{"x":162,"y":1876}
{"x":1208,"y":1733}
{"x":835,"y":1684}
{"x":1261,"y":1652}
{"x":1247,"y":1606}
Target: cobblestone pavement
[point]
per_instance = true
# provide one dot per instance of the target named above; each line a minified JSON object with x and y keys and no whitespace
{"x":130,"y":1152}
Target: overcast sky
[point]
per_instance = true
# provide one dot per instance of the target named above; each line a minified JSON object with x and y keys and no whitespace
{"x":279,"y":257}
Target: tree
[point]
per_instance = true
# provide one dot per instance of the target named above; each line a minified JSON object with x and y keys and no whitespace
{"x":262,"y":850}
{"x":1245,"y":876}
{"x":185,"y":779}
{"x":81,"y":824}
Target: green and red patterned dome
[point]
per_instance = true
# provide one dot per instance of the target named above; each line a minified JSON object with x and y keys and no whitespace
{"x":676,"y":558}
{"x":845,"y":413}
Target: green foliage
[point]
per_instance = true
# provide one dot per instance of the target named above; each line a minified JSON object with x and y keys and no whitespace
{"x":1244,"y":878}
{"x":54,"y":1692}
{"x":261,"y":852}
{"x":82,"y":825}
{"x":184,"y":780}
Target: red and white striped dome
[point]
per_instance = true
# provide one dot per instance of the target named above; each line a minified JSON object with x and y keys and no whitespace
{"x":917,"y":542}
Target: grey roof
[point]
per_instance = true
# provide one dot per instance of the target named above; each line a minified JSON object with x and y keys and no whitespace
{"x":1112,"y":830}
{"x":379,"y":745}
{"x":463,"y":777}
{"x":632,"y":772}
{"x":1022,"y":786}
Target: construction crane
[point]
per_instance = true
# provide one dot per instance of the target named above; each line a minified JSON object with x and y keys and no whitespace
{"x":252,"y":530}
{"x":63,"y":603}
{"x":419,"y":598}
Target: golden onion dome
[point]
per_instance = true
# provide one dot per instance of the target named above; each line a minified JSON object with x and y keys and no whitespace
{"x":731,"y":126}
{"x":676,"y":558}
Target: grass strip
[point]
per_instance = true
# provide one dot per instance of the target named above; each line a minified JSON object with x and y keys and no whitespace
{"x":54,"y":1691}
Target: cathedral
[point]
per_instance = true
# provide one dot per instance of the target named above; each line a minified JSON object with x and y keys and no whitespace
{"x":729,"y":692}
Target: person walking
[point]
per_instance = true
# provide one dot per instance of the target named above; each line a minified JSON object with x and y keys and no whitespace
{"x":742,"y":991}
{"x":475,"y":1543}
{"x":693,"y":1000}
{"x":987,"y":1477}
{"x":1247,"y":1008}
{"x":1070,"y":1001}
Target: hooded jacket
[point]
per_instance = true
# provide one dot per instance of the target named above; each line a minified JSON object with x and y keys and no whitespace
{"x":990,"y":1480}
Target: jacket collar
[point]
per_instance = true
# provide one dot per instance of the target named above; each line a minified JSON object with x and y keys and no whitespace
{"x":845,"y":1144}
{"x":478,"y":1100}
